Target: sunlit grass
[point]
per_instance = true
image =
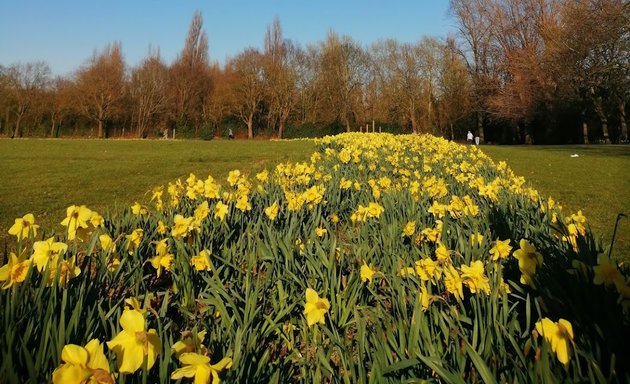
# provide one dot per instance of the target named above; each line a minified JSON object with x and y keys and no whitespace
{"x":596,"y":181}
{"x":44,"y":177}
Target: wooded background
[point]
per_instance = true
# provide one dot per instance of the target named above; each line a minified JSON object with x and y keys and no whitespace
{"x":514,"y":71}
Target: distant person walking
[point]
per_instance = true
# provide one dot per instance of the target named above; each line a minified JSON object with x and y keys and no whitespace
{"x":230,"y":134}
{"x":476,"y":139}
{"x":469,"y":137}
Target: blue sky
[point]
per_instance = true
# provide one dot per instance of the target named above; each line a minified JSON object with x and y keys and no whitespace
{"x":65,"y":33}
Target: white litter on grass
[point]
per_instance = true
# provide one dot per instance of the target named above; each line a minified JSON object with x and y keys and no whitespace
{"x":575,"y":155}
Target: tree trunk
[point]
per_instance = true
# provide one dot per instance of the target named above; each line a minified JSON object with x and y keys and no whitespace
{"x":250,"y":126}
{"x":414,"y":122}
{"x":584,"y":127}
{"x":280,"y":129}
{"x":529,"y":140}
{"x":346,"y":121}
{"x":53,"y":126}
{"x":16,"y":132}
{"x":599,"y":109}
{"x":480,"y":127}
{"x":622,"y":120}
{"x":284,"y":115}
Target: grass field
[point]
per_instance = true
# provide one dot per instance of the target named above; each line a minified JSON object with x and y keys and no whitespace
{"x":43,"y":177}
{"x":597,"y":182}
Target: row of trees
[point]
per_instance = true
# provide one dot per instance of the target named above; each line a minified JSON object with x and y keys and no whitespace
{"x":516,"y":71}
{"x":547,"y":70}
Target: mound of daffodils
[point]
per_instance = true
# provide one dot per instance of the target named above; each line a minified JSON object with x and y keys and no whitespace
{"x":382,"y":259}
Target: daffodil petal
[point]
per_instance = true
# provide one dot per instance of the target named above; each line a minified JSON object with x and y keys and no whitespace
{"x":187,"y":371}
{"x":193,"y":359}
{"x":74,"y":354}
{"x":132,"y":321}
{"x":311,"y":295}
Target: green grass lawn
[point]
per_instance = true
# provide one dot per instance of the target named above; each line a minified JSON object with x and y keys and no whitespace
{"x":43,"y":177}
{"x":597,"y":182}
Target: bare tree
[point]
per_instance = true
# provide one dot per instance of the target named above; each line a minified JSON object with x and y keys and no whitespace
{"x":280,"y":76}
{"x":474,"y":19}
{"x":521,"y":33}
{"x":26,"y":85}
{"x":402,"y":81}
{"x":593,"y":55}
{"x":306,"y":67}
{"x":340,"y":75}
{"x":190,"y":82}
{"x":454,"y":87}
{"x":246,"y":74}
{"x":57,"y":103}
{"x":148,"y":92}
{"x":101,"y":87}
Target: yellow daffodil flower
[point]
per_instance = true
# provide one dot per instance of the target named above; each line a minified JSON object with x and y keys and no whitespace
{"x":107,"y":243}
{"x":409,"y":229}
{"x":315,"y":307}
{"x":220,"y":211}
{"x":156,"y":195}
{"x":528,"y":260}
{"x":161,"y":228}
{"x":138,"y":209}
{"x":366,"y":272}
{"x":500,"y":250}
{"x":134,"y":343}
{"x":134,"y":239}
{"x":201,"y":212}
{"x":243,"y":204}
{"x":474,"y":277}
{"x":83,"y":365}
{"x":233,"y":177}
{"x":15,"y":271}
{"x":77,"y":218}
{"x":345,"y":183}
{"x":425,"y":298}
{"x":262,"y":176}
{"x":428,"y":269}
{"x":189,"y":343}
{"x":212,"y":190}
{"x":442,"y":254}
{"x":272,"y":211}
{"x":201,"y":262}
{"x":24,"y":227}
{"x":181,"y":226}
{"x":559,"y":335}
{"x":162,"y":261}
{"x":453,"y":282}
{"x":374,"y":210}
{"x":47,"y":251}
{"x":198,"y":367}
{"x":320,"y":231}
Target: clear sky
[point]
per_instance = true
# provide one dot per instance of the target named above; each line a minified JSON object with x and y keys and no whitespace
{"x":65,"y":33}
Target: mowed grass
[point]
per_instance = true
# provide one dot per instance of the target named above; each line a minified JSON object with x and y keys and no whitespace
{"x":44,"y":177}
{"x":597,"y":181}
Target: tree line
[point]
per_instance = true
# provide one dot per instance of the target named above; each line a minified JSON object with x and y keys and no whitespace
{"x":515,"y":71}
